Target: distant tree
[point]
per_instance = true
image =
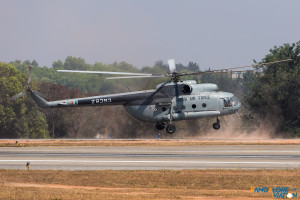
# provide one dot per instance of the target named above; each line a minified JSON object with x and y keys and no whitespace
{"x":275,"y":92}
{"x":75,"y":63}
{"x":194,"y":67}
{"x":161,"y":64}
{"x":75,"y":115}
{"x":180,"y":67}
{"x":22,"y":118}
{"x":56,"y":117}
{"x":34,"y":63}
{"x":58,"y":65}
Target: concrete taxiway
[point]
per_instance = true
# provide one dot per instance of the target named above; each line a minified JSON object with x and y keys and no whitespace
{"x":152,"y":157}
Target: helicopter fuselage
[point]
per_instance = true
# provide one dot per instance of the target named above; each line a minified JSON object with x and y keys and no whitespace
{"x":182,"y":100}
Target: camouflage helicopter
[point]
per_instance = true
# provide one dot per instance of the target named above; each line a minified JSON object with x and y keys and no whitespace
{"x":170,"y":101}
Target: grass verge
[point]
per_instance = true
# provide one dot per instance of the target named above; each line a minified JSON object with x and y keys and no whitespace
{"x":160,"y":184}
{"x":33,"y":143}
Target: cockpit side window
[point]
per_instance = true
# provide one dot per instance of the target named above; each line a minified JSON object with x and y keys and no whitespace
{"x":227,"y":102}
{"x":230,"y":101}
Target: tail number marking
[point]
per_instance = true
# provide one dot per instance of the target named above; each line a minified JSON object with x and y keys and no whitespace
{"x":100,"y":101}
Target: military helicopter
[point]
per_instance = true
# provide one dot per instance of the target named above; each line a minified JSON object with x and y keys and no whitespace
{"x":170,"y":101}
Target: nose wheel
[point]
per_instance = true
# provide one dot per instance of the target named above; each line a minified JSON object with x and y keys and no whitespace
{"x":217,"y":125}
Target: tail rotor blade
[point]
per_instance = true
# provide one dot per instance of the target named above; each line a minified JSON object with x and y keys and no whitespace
{"x":29,"y":74}
{"x":14,"y":98}
{"x":172,"y":65}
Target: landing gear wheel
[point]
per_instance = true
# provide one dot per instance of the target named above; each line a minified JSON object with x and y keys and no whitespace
{"x":171,"y":129}
{"x":160,"y":125}
{"x":216,"y":126}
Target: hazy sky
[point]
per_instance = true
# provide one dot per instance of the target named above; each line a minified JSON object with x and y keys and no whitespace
{"x":213,"y":33}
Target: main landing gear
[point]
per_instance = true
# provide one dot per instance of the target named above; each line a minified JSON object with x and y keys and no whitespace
{"x":160,"y":125}
{"x":169,"y":129}
{"x":217,"y":125}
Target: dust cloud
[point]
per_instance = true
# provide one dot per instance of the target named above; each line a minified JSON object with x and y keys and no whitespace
{"x":232,"y":127}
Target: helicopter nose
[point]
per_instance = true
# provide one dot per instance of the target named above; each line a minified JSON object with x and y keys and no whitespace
{"x":238,"y":106}
{"x":236,"y":103}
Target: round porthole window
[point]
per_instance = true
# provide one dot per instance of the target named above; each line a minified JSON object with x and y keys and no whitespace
{"x":194,"y":106}
{"x":163,"y":109}
{"x":204,"y":105}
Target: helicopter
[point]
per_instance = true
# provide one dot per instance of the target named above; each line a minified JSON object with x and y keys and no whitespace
{"x":170,"y":101}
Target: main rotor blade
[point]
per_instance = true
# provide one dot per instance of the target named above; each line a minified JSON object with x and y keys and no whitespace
{"x":104,"y":72}
{"x":198,"y":73}
{"x":242,"y":71}
{"x":279,"y":61}
{"x":172,"y":65}
{"x":29,"y":74}
{"x":17,"y":96}
{"x":227,"y":70}
{"x":121,"y":77}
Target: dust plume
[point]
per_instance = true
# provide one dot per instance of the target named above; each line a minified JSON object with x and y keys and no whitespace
{"x":233,"y":127}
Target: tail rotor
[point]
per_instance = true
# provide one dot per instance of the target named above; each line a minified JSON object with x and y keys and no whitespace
{"x":28,"y":88}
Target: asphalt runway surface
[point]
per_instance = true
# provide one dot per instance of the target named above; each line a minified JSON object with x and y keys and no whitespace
{"x":152,"y":157}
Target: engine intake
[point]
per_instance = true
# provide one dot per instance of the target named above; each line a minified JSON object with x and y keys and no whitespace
{"x":186,"y":89}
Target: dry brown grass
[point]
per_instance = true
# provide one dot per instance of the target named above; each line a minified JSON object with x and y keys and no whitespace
{"x":164,"y":184}
{"x":33,"y":143}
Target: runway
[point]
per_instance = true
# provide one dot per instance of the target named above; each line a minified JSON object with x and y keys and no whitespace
{"x":152,"y":157}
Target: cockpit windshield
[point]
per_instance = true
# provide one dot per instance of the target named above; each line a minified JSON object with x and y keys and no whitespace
{"x":230,"y":101}
{"x":234,"y":101}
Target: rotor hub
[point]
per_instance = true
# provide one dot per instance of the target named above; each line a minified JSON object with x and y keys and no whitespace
{"x":175,"y":77}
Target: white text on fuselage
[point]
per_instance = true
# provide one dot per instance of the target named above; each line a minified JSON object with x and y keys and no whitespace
{"x":194,"y":98}
{"x":99,"y":101}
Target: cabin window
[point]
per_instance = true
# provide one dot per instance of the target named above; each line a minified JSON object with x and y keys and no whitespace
{"x":163,"y":109}
{"x":183,"y":107}
{"x":204,"y":105}
{"x":194,"y":106}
